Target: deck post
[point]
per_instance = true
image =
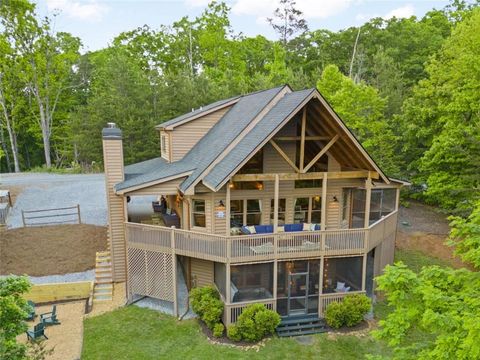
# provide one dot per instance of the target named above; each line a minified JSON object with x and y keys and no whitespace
{"x":368,"y":197}
{"x":320,"y":286}
{"x":227,"y":209}
{"x":275,"y":274}
{"x":275,"y":203}
{"x":364,"y":271}
{"x":397,"y":199}
{"x":324,"y":201}
{"x":174,"y":265}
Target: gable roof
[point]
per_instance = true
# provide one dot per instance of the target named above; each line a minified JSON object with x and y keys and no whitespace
{"x":252,"y":120}
{"x":195,"y":114}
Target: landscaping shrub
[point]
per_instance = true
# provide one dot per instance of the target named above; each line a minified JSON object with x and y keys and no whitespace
{"x":206,"y":303}
{"x":335,"y":315}
{"x":254,"y":323}
{"x":233,"y":333}
{"x":349,"y":312}
{"x":218,"y":330}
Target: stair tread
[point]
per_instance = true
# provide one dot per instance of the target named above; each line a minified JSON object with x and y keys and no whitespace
{"x":299,"y":327}
{"x":300,"y":321}
{"x":299,"y":333}
{"x":103,"y":281}
{"x":104,"y":286}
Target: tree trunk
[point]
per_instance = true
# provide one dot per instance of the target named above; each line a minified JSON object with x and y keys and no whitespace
{"x":353,"y":54}
{"x":44,"y":124}
{"x":5,"y":150}
{"x":14,"y":146}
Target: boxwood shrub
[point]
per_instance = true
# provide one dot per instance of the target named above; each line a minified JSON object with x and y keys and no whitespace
{"x":206,"y":303}
{"x":254,"y":323}
{"x":349,"y":312}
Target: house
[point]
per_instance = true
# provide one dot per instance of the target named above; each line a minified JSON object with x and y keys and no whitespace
{"x":273,"y":201}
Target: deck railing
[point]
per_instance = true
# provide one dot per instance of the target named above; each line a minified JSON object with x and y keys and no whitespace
{"x":258,"y":247}
{"x":231,"y":312}
{"x":326,"y":299}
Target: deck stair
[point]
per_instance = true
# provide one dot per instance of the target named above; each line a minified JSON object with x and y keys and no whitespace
{"x":103,"y":287}
{"x":301,"y":325}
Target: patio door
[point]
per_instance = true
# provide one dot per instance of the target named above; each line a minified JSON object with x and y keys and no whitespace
{"x":297,"y":293}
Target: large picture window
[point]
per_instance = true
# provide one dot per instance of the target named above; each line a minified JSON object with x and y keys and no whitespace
{"x":245,"y":212}
{"x":251,"y":282}
{"x":382,"y":203}
{"x":281,"y":211}
{"x":198,"y":213}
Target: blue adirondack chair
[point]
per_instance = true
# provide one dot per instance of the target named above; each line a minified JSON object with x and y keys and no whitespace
{"x":31,"y":314}
{"x":50,"y":318}
{"x":38,"y":331}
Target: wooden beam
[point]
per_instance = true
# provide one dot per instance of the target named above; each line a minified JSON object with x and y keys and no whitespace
{"x":302,"y":139}
{"x":284,"y":156}
{"x":307,"y":176}
{"x":275,"y":203}
{"x":297,"y":138}
{"x":321,"y":153}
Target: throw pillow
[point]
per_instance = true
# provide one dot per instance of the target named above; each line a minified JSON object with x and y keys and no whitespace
{"x":252,"y":229}
{"x":307,"y":227}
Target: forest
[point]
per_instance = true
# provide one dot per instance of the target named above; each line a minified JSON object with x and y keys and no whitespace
{"x":408,"y":88}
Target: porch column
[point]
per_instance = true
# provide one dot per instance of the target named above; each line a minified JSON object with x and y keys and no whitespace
{"x":320,"y":287}
{"x":275,"y":203}
{"x":368,"y":196}
{"x":397,"y":199}
{"x":324,"y":201}
{"x":227,"y":210}
{"x":364,"y":272}
{"x":275,"y":275}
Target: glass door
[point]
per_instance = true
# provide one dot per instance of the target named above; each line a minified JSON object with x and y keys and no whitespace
{"x":297,"y":293}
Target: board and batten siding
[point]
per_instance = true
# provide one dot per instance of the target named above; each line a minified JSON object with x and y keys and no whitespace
{"x":185,"y":136}
{"x":201,"y":272}
{"x":113,"y":159}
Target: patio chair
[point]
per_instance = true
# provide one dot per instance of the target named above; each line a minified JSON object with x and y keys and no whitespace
{"x":38,"y":331}
{"x":50,"y":318}
{"x":31,"y":313}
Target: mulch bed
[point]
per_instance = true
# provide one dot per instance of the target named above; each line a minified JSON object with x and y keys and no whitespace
{"x":224,"y":340}
{"x":51,"y":250}
{"x":364,"y":325}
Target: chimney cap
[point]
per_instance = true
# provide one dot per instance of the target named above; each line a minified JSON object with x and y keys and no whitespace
{"x":111,"y":132}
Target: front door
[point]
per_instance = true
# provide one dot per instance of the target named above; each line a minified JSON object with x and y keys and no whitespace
{"x":297,"y":293}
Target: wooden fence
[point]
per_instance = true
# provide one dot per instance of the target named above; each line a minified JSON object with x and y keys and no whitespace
{"x":55,"y":216}
{"x":60,"y":291}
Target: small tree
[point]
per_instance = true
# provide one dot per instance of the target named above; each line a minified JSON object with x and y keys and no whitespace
{"x":13,"y":311}
{"x":287,"y":20}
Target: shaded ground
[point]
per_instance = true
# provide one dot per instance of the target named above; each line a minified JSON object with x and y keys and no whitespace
{"x":423,"y":228}
{"x":49,"y":250}
{"x":65,"y":339}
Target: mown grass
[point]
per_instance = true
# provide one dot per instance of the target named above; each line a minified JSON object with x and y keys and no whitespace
{"x":134,"y":333}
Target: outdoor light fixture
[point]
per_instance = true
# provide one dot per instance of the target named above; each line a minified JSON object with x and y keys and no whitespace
{"x":335,"y":198}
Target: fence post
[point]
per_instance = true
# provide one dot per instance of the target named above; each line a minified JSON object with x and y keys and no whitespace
{"x":23,"y":219}
{"x":78,"y":211}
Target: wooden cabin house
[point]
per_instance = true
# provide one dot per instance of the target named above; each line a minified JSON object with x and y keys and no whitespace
{"x":267,"y":196}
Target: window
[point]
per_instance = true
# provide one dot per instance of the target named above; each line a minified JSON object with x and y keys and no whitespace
{"x":281,"y":211}
{"x":163,"y":142}
{"x":245,"y":212}
{"x":382,"y":203}
{"x":303,"y":184}
{"x":308,"y":210}
{"x":342,"y":274}
{"x":251,"y":282}
{"x":198,"y":212}
{"x":358,"y":208}
{"x":346,"y":202}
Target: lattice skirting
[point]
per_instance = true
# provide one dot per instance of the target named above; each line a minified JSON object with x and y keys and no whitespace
{"x":151,"y":273}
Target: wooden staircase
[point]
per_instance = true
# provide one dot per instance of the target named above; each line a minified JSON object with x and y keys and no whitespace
{"x":301,"y":325}
{"x":103,"y":287}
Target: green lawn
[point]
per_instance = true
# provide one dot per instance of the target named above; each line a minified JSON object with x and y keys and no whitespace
{"x":135,"y":333}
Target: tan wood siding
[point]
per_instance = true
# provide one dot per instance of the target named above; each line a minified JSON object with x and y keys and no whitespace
{"x":166,"y":188}
{"x":185,"y":136}
{"x":113,"y":159}
{"x":201,"y":272}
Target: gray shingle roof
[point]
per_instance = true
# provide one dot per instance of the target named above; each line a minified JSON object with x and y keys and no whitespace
{"x":226,"y":130}
{"x":266,"y":127}
{"x":197,"y":112}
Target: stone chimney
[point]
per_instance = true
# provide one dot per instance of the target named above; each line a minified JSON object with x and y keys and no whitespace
{"x":113,"y":165}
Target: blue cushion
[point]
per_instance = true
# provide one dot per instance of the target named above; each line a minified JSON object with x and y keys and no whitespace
{"x":293,"y":227}
{"x":245,"y":230}
{"x":317,"y":226}
{"x":264,"y":229}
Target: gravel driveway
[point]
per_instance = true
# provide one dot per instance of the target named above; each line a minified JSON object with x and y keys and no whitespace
{"x":46,"y":191}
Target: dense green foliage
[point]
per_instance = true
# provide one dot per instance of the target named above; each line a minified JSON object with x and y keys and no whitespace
{"x":349,"y":312}
{"x":254,"y":323}
{"x":13,"y":312}
{"x":207,"y":305}
{"x":408,"y":88}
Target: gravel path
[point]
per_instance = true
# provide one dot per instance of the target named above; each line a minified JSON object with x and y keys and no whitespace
{"x":88,"y":275}
{"x":45,"y":191}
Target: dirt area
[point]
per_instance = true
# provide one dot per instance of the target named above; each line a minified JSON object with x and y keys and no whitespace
{"x":424,"y":228}
{"x":49,"y":250}
{"x":65,"y":339}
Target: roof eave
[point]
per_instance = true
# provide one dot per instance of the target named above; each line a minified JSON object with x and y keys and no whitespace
{"x":151,"y":183}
